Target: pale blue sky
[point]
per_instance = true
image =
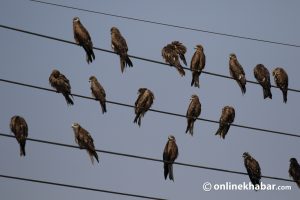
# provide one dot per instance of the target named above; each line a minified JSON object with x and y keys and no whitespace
{"x":31,"y":59}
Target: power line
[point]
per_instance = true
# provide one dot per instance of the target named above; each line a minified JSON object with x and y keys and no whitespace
{"x":77,"y":187}
{"x":136,"y":57}
{"x":149,"y":159}
{"x":166,"y":24}
{"x":154,"y":110}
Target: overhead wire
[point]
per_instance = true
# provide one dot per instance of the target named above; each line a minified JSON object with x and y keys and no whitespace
{"x":166,"y":24}
{"x":132,"y":56}
{"x":153,"y":110}
{"x":148,"y":158}
{"x":77,"y":187}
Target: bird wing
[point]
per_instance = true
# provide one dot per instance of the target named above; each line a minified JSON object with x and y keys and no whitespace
{"x":98,"y":91}
{"x":119,"y":43}
{"x":195,"y":62}
{"x":81,"y":35}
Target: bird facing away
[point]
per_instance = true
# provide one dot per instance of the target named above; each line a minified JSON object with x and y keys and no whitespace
{"x":142,"y":104}
{"x":83,"y":38}
{"x":169,"y":156}
{"x":253,"y":169}
{"x":226,"y":119}
{"x":98,"y":92}
{"x":19,"y":127}
{"x":85,"y":141}
{"x":282,"y":81}
{"x":119,"y":45}
{"x":61,"y":84}
{"x":237,"y":72}
{"x":170,"y":55}
{"x":197,"y":65}
{"x":294,"y":171}
{"x":192,"y":113}
{"x":262,"y":75}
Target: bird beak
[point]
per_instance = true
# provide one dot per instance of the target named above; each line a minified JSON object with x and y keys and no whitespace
{"x":72,"y":126}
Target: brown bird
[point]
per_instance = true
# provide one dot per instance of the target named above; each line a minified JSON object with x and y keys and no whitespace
{"x":180,"y":50}
{"x":19,"y":127}
{"x":237,"y":72}
{"x":197,"y":65}
{"x":142,"y":104}
{"x":83,"y":38}
{"x":98,"y":92}
{"x":253,"y":169}
{"x":282,"y":81}
{"x":294,"y":170}
{"x":170,"y":55}
{"x":226,"y":119}
{"x":192,"y":113}
{"x":262,"y":75}
{"x":85,"y":141}
{"x":119,"y":45}
{"x":169,"y":156}
{"x":61,"y":84}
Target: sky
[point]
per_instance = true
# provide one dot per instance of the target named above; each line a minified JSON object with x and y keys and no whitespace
{"x":30,"y":59}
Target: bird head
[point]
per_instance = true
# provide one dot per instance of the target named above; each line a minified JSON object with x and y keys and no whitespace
{"x":171,"y":138}
{"x":55,"y":73}
{"x":199,"y":47}
{"x":293,"y":160}
{"x":142,"y":90}
{"x":232,"y":56}
{"x":194,"y":96}
{"x":76,"y":20}
{"x":114,"y":30}
{"x":246,"y":154}
{"x":92,"y":78}
{"x":75,"y":125}
{"x":275,"y":71}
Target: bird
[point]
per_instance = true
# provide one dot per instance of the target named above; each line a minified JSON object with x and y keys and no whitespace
{"x":226,"y":119}
{"x":262,"y":75}
{"x":193,"y":112}
{"x":197,"y":65}
{"x":170,"y":55}
{"x":19,"y":128}
{"x":237,"y":72}
{"x":253,"y":169}
{"x":169,"y":156}
{"x":85,"y":141}
{"x":282,"y":81}
{"x":61,"y":84}
{"x":180,"y":50}
{"x":98,"y":92}
{"x":119,"y":45}
{"x":294,"y":171}
{"x":83,"y":38}
{"x":142,"y":104}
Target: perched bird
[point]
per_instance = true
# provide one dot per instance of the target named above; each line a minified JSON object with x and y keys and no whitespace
{"x":282,"y":81}
{"x":226,"y":119}
{"x":262,"y":75}
{"x":180,"y":50}
{"x":192,"y":113}
{"x":197,"y":65}
{"x":294,"y":171}
{"x":61,"y":84}
{"x":19,"y":127}
{"x":83,"y":38}
{"x":85,"y":141}
{"x":170,"y":55}
{"x":98,"y":92}
{"x":253,"y":169}
{"x":169,"y":156}
{"x":119,"y":45}
{"x":142,"y":104}
{"x":237,"y":72}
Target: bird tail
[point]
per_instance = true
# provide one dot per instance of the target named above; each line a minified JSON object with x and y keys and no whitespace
{"x":90,"y":56}
{"x":190,"y":127}
{"x":166,"y":170}
{"x":180,"y":69}
{"x":195,"y":79}
{"x":182,"y":57}
{"x":68,"y":99}
{"x":103,"y":107}
{"x":128,"y":61}
{"x":267,"y":93}
{"x":22,"y":147}
{"x":242,"y":85}
{"x":137,"y":119}
{"x":170,"y":167}
{"x":223,"y":130}
{"x":92,"y":154}
{"x":284,"y":93}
